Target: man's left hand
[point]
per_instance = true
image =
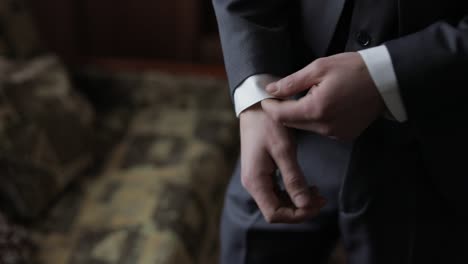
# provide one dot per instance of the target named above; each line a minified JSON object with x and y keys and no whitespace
{"x":342,"y":99}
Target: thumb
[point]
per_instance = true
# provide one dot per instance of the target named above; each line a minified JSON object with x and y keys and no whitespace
{"x":295,"y":83}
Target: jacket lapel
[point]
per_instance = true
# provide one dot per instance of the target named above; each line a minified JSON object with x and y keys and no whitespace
{"x":320,"y":21}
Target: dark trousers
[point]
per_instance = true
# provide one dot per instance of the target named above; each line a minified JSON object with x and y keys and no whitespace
{"x":404,"y":219}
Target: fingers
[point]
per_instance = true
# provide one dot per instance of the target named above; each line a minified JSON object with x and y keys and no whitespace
{"x":257,"y":171}
{"x":284,"y":111}
{"x":305,"y":202}
{"x":319,"y":201}
{"x":319,"y":128}
{"x":305,"y":114}
{"x":285,"y":199}
{"x":298,"y":81}
{"x":288,"y":111}
{"x":285,"y":158}
{"x":260,"y":158}
{"x":262,"y":190}
{"x":275,"y":206}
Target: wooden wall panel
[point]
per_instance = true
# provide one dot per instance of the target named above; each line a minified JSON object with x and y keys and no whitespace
{"x":140,"y":28}
{"x":57,"y":23}
{"x":180,"y":30}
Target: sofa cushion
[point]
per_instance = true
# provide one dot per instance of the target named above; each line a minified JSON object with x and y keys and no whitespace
{"x":15,"y":245}
{"x":159,"y":198}
{"x":46,"y":134}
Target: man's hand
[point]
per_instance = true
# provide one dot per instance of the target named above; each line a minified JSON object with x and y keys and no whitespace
{"x":265,"y":146}
{"x":341,"y":102}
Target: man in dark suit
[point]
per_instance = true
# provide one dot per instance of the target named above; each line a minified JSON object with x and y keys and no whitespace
{"x":365,"y":99}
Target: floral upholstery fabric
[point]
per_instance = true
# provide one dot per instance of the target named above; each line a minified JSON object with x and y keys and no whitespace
{"x":46,"y":127}
{"x":46,"y":133}
{"x":15,"y":244}
{"x":107,"y":167}
{"x":159,"y":196}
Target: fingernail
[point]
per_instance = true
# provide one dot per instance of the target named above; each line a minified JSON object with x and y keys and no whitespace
{"x":302,"y":200}
{"x":272,"y":88}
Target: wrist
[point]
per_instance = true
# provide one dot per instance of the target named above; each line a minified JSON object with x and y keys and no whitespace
{"x":251,"y":110}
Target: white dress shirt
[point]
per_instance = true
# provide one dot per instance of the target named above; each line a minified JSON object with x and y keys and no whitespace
{"x":378,"y":62}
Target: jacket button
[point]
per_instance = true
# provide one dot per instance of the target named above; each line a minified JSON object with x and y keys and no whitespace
{"x":363,"y":39}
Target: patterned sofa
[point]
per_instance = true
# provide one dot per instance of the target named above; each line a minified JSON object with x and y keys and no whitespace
{"x":107,"y":167}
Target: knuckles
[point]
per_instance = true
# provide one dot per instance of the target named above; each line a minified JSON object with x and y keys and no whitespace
{"x":285,"y":85}
{"x":275,"y":116}
{"x":320,"y":65}
{"x":282,"y":149}
{"x":248,"y":182}
{"x":296,"y":185}
{"x":273,"y":217}
{"x":270,"y":218}
{"x":321,"y":110}
{"x":247,"y":179}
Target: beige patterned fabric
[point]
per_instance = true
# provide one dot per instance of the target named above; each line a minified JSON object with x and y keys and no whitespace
{"x":134,"y":171}
{"x":15,"y":244}
{"x":159,"y":197}
{"x":46,"y":131}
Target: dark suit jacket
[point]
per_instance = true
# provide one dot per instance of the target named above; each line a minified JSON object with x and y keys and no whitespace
{"x":430,"y":58}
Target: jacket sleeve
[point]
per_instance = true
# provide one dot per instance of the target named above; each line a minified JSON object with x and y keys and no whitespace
{"x":255,"y":38}
{"x":432,"y":71}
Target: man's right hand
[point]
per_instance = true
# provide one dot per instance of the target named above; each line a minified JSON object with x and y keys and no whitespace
{"x":265,"y":147}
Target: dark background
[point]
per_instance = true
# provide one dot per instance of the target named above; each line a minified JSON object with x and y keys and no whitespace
{"x":177,"y":31}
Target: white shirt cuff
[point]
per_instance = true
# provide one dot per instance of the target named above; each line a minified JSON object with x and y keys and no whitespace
{"x":252,"y":91}
{"x":379,"y":64}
